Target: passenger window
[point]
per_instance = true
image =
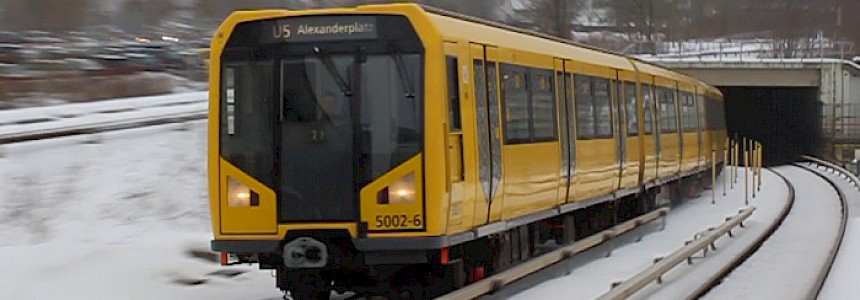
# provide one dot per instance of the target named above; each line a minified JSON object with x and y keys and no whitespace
{"x":515,"y":98}
{"x":668,"y":110}
{"x":632,"y":111}
{"x":700,"y":101}
{"x":543,"y":108}
{"x":602,"y":107}
{"x":648,"y":107}
{"x":584,"y":107}
{"x":688,"y":108}
{"x":453,"y":94}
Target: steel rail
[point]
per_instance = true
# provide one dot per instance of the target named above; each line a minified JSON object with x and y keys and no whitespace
{"x":101,"y":127}
{"x":718,"y":276}
{"x":496,"y":282}
{"x":834,"y":251}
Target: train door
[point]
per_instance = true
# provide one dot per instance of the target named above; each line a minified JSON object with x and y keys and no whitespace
{"x":485,"y":84}
{"x":702,"y":151}
{"x":652,"y":131}
{"x":679,"y":124}
{"x":563,"y":95}
{"x":457,"y":75}
{"x":619,"y":124}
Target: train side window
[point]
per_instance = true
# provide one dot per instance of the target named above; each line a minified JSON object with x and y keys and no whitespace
{"x":543,"y":108}
{"x":515,"y":98}
{"x":700,"y":104}
{"x":688,"y":111}
{"x":721,"y":114}
{"x":713,"y":113}
{"x":453,"y":94}
{"x":602,"y":108}
{"x":229,"y":92}
{"x":648,"y":107}
{"x":632,"y":112}
{"x":668,"y":111}
{"x":584,"y":107}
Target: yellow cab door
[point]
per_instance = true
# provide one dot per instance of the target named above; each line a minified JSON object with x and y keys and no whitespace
{"x":460,"y":165}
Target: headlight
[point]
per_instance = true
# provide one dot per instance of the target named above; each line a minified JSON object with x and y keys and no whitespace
{"x":239,"y":195}
{"x":400,"y":191}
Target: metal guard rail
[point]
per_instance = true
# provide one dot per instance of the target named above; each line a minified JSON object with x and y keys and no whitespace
{"x":661,"y":266}
{"x":496,"y":282}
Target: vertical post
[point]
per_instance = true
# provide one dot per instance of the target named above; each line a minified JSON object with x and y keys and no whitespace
{"x":746,"y":173}
{"x":753,"y":160}
{"x":760,"y":163}
{"x":725,"y":166}
{"x":714,"y":176}
{"x":735,"y":161}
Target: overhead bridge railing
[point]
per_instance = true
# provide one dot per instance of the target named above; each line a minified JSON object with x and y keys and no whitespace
{"x":662,"y":265}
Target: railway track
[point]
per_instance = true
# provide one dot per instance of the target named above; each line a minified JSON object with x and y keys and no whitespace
{"x":769,"y":258}
{"x":553,"y":264}
{"x":40,"y":123}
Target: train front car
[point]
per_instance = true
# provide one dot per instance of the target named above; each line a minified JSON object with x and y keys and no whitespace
{"x":317,"y":148}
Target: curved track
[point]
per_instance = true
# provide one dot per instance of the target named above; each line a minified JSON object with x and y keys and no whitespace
{"x":751,"y":248}
{"x":796,"y":257}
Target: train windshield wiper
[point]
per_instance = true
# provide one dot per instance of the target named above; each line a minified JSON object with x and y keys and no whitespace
{"x":401,"y":70}
{"x":325,"y":58}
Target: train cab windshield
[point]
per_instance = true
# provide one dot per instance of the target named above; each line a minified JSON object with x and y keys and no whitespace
{"x":317,"y":117}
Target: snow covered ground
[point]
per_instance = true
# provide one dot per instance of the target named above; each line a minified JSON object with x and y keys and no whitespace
{"x":841,"y":283}
{"x":124,"y":215}
{"x":114,"y":216}
{"x":788,"y":263}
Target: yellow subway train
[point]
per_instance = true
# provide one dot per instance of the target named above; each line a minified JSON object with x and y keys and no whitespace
{"x":402,"y":151}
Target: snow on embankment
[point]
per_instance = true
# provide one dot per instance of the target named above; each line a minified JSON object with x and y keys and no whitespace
{"x":113,"y":216}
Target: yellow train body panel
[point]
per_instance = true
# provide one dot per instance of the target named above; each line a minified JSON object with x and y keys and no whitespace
{"x":531,"y":179}
{"x":596,"y":170}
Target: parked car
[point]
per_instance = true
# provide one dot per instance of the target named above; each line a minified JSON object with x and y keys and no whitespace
{"x":15,"y":72}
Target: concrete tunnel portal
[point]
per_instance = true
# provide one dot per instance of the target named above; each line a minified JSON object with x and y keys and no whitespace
{"x":786,"y":120}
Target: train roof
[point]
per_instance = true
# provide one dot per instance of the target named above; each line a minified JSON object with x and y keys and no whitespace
{"x":460,"y":26}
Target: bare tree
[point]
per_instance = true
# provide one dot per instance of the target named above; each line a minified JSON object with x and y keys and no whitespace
{"x":553,"y":17}
{"x":136,"y":15}
{"x":46,"y":14}
{"x":217,"y":10}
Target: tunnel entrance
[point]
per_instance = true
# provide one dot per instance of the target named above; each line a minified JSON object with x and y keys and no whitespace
{"x":787,"y":120}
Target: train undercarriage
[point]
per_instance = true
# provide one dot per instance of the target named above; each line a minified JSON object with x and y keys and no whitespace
{"x":426,"y":274}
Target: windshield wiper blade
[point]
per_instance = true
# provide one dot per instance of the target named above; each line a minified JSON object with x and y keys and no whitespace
{"x":404,"y":76}
{"x":332,"y":70}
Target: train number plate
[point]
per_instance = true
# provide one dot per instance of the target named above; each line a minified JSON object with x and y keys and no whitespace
{"x":399,"y":221}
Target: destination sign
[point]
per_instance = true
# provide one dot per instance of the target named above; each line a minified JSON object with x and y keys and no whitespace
{"x":323,"y":28}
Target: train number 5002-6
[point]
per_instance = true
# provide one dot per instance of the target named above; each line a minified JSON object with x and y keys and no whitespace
{"x":397,"y":221}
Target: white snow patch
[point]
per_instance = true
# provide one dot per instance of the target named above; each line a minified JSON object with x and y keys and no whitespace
{"x":113,"y":217}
